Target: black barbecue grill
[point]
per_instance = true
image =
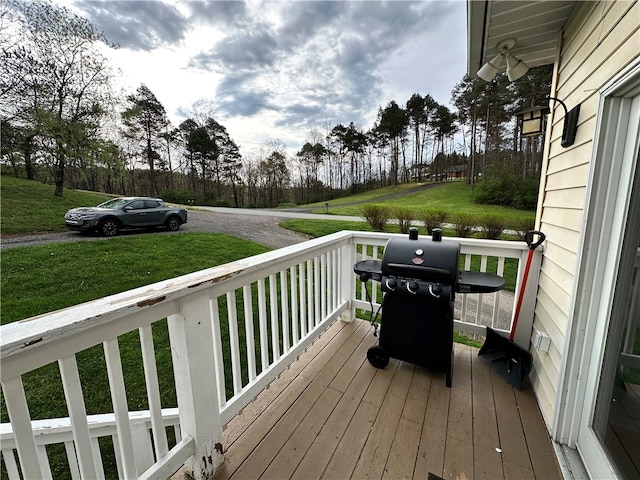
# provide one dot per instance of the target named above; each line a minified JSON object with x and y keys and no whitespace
{"x":419,"y":279}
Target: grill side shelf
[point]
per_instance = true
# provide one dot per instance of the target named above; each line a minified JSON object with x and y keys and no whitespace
{"x":479,"y":282}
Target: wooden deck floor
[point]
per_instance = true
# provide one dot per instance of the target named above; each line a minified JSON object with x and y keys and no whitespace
{"x":333,"y":415}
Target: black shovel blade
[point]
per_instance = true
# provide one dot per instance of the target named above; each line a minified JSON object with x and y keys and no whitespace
{"x":508,"y":360}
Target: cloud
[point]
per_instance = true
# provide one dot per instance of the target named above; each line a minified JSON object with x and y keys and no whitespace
{"x":248,"y":49}
{"x":283,"y":68}
{"x":218,"y":12}
{"x":246,"y":103}
{"x":136,"y":25}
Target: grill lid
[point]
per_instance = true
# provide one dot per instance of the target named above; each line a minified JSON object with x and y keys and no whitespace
{"x":433,"y":261}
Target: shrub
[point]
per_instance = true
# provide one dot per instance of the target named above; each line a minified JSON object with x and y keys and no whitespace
{"x":525,"y":225}
{"x":463,"y":224}
{"x":496,"y":191}
{"x":508,"y":190}
{"x":377,"y":215}
{"x":492,"y":226}
{"x":404,"y":215}
{"x":526,"y":197}
{"x":432,"y":218}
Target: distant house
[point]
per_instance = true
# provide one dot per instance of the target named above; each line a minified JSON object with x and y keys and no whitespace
{"x":589,"y":207}
{"x":457,"y":171}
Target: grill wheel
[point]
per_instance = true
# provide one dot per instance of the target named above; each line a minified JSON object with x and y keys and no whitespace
{"x":377,"y":356}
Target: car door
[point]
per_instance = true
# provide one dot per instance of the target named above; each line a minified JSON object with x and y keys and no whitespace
{"x":155,"y":212}
{"x":134,"y":214}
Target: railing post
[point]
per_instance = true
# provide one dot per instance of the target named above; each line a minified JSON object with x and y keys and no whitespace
{"x":522,"y":336}
{"x":347,"y":279}
{"x":190,"y":332}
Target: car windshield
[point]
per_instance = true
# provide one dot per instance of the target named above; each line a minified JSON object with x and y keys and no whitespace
{"x":115,"y":203}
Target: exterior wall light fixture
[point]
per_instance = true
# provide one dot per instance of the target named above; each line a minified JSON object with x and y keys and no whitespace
{"x":515,"y":68}
{"x":532,"y":122}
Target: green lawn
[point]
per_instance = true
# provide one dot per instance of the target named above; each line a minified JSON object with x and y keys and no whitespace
{"x":366,"y":196}
{"x":453,"y":197}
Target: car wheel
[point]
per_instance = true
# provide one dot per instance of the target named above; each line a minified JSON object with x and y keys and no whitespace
{"x":109,"y":228}
{"x":172,"y":224}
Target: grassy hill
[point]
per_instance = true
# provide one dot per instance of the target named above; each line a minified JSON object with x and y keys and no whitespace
{"x":452,"y":197}
{"x":30,"y":207}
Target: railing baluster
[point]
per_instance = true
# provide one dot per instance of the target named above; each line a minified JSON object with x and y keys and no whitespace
{"x":323,"y":286}
{"x":275,"y":329}
{"x":97,"y":456}
{"x":43,"y":458}
{"x":120,"y":408}
{"x":310,"y":298}
{"x":463,"y":309}
{"x":295,"y":321}
{"x":303,"y":301}
{"x":218,"y":358}
{"x":483,"y":268}
{"x":249,"y":331}
{"x":284,"y":300}
{"x":10,"y":464}
{"x":153,"y":390}
{"x":144,"y":449}
{"x":374,"y":285}
{"x":497,"y":295}
{"x":333,"y":287}
{"x":317,"y":297}
{"x":18,"y":411}
{"x":234,"y":342}
{"x":262,"y":319}
{"x":73,"y":459}
{"x":78,"y":415}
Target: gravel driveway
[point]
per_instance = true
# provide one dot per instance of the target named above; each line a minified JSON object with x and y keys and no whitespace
{"x":262,"y":229}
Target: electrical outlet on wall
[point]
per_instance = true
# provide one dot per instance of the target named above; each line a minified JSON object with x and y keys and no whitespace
{"x":542,"y":341}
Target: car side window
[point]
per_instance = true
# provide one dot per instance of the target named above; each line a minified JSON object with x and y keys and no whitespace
{"x":151,"y":204}
{"x":136,"y":205}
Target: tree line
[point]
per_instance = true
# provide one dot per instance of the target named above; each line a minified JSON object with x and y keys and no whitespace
{"x":64,"y":123}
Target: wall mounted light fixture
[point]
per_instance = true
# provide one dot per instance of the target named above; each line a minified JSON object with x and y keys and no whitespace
{"x":532,"y":121}
{"x":515,"y":68}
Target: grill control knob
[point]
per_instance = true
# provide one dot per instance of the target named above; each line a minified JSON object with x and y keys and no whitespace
{"x":435,"y":290}
{"x":412,"y":287}
{"x":391,"y":283}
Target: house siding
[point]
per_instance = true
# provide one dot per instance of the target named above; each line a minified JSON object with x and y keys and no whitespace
{"x":600,"y":40}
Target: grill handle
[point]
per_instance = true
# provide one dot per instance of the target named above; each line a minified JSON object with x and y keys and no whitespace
{"x":441,"y":271}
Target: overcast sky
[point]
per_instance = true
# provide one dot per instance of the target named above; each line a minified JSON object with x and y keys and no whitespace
{"x":277,"y":69}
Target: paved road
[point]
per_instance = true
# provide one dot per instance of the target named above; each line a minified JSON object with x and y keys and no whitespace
{"x":260,"y":226}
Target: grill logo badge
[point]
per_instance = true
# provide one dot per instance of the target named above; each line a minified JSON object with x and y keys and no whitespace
{"x":418,"y":261}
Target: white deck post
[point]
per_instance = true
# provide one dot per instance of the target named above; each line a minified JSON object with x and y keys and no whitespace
{"x":347,"y":279}
{"x":193,"y":359}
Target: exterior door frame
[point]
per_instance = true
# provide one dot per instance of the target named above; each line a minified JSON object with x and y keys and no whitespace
{"x":607,"y":201}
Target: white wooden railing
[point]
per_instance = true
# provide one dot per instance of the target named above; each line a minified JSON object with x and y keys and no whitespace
{"x":232,"y":330}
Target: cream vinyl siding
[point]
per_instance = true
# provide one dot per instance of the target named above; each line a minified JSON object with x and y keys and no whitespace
{"x":597,"y":43}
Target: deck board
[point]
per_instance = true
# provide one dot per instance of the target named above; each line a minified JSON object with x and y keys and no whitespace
{"x":486,"y":442}
{"x":333,"y":415}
